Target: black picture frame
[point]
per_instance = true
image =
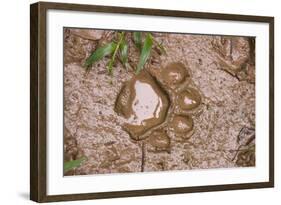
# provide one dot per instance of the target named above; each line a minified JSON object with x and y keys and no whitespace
{"x":38,"y":102}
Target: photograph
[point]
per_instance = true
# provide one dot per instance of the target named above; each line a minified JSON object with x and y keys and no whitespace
{"x":149,"y":101}
{"x":128,"y":101}
{"x":133,"y":102}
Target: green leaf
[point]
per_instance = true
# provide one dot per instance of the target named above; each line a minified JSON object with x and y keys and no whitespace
{"x":145,"y":52}
{"x":124,"y":52}
{"x":73,"y":164}
{"x":111,"y":62}
{"x":99,"y":53}
{"x":137,"y":39}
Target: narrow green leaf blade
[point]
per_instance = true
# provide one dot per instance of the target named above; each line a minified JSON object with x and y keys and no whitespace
{"x":99,"y":53}
{"x":145,"y":52}
{"x":124,"y":52}
{"x":137,"y":39}
{"x":112,"y":60}
{"x":72,"y":164}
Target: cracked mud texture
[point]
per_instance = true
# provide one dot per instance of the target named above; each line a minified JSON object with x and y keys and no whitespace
{"x":221,"y":79}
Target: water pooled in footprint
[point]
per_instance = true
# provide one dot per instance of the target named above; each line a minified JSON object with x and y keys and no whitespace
{"x":188,"y":99}
{"x":143,"y":103}
{"x":154,"y":102}
{"x":174,"y":74}
{"x":181,"y":124}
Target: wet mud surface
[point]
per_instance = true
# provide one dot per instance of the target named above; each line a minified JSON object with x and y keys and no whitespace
{"x":193,"y":108}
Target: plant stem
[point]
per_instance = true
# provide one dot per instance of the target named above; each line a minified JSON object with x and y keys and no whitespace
{"x":115,"y":52}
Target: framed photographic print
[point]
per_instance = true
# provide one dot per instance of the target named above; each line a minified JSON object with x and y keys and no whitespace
{"x":133,"y":102}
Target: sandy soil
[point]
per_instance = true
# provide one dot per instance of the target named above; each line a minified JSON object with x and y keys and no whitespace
{"x":222,"y":70}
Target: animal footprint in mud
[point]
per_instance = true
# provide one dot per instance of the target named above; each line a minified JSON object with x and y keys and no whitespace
{"x":236,"y":55}
{"x":159,"y":105}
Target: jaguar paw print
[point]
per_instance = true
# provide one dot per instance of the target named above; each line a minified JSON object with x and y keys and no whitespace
{"x":159,"y":105}
{"x":236,"y":55}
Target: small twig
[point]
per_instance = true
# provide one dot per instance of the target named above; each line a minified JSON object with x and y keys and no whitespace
{"x":242,"y":130}
{"x":142,"y":156}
